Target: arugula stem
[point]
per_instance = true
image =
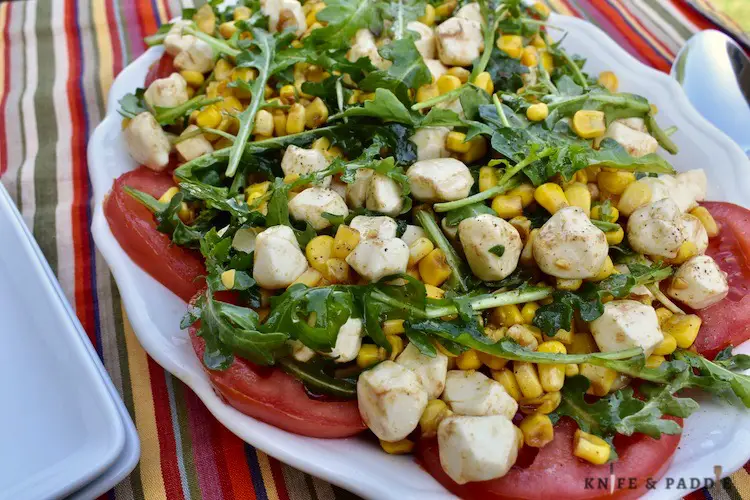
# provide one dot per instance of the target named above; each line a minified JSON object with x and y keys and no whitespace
{"x":576,"y":70}
{"x":660,"y":135}
{"x":669,"y":131}
{"x":605,"y":226}
{"x":319,"y":381}
{"x":441,"y":98}
{"x":494,"y":300}
{"x":457,"y":279}
{"x":171,"y":114}
{"x":155,"y":39}
{"x":658,"y":295}
{"x":500,"y":112}
{"x":217,"y":45}
{"x":489,"y":41}
{"x":386,"y":299}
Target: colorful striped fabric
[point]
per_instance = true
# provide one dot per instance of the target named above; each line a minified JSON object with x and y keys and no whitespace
{"x":57,"y":61}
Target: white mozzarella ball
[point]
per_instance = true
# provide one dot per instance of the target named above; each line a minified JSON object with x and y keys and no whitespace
{"x":452,"y":105}
{"x":147,"y":143}
{"x":635,"y":123}
{"x":443,"y":179}
{"x":377,"y":227}
{"x":636,"y":143}
{"x":313,"y":202}
{"x":480,"y":234}
{"x":695,"y":232}
{"x":196,"y":56}
{"x":569,"y":246}
{"x":437,"y":69}
{"x":283,"y":14}
{"x":302,"y":161}
{"x":348,"y":341}
{"x":384,"y":195}
{"x":278,"y":258}
{"x":374,"y":258}
{"x":690,"y":189}
{"x":626,"y":324}
{"x":656,"y":229}
{"x":473,"y":393}
{"x":459,"y":41}
{"x":175,"y":42}
{"x":300,"y":351}
{"x":356,"y":192}
{"x":364,"y":46}
{"x":430,"y":371}
{"x":391,"y":400}
{"x":450,"y":231}
{"x":167,"y":92}
{"x":430,"y":142}
{"x":412,"y":234}
{"x":477,"y":448}
{"x":472,"y":12}
{"x":425,"y":39}
{"x":699,"y":283}
{"x":193,"y":147}
{"x":339,"y":186}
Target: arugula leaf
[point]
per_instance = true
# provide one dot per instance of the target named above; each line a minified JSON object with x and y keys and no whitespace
{"x":408,"y":66}
{"x":454,"y":217}
{"x":278,"y":210}
{"x":343,"y":19}
{"x":385,"y":106}
{"x":719,"y":378}
{"x":498,"y":250}
{"x":612,"y":155}
{"x":316,"y":379}
{"x":132,"y":105}
{"x":460,"y":278}
{"x":169,"y":116}
{"x":731,"y":361}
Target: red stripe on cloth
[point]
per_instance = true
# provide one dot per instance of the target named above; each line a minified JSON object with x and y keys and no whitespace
{"x":205,"y":445}
{"x":278,"y":479}
{"x":652,"y":40}
{"x":6,"y":88}
{"x":236,"y":463}
{"x":117,"y":49}
{"x":167,"y":445}
{"x":694,"y":16}
{"x":147,"y":17}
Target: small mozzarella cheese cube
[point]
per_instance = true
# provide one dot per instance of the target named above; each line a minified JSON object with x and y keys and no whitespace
{"x":626,"y":324}
{"x":452,"y":105}
{"x":312,"y":203}
{"x":175,"y":42}
{"x":391,"y":400}
{"x":480,"y":234}
{"x":424,"y":39}
{"x":635,"y":123}
{"x":364,"y":46}
{"x":690,"y":189}
{"x":196,"y":56}
{"x":412,"y":234}
{"x":472,"y":12}
{"x":278,"y":258}
{"x":356,"y":192}
{"x":147,"y":142}
{"x":302,"y":161}
{"x":477,"y":448}
{"x":661,"y":187}
{"x":284,"y":14}
{"x":699,"y":283}
{"x":695,"y":232}
{"x":569,"y":246}
{"x":374,"y":258}
{"x":450,"y":231}
{"x":384,"y":195}
{"x":379,"y":227}
{"x":656,"y":229}
{"x":459,"y":41}
{"x":430,"y":142}
{"x":193,"y":147}
{"x":636,"y":143}
{"x":348,"y":341}
{"x":443,"y":179}
{"x":167,"y":92}
{"x":339,"y":186}
{"x":300,"y":351}
{"x":473,"y":393}
{"x":437,"y":69}
{"x":431,"y":372}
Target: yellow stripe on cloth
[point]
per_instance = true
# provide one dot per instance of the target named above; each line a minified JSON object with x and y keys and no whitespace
{"x":267,"y":473}
{"x":560,"y":7}
{"x":741,"y":481}
{"x":145,"y":416}
{"x":104,"y":41}
{"x":3,"y":19}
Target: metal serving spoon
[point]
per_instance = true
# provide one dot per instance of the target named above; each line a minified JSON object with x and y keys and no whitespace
{"x":714,"y":71}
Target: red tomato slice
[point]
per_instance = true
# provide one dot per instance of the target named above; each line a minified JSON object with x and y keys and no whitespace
{"x":160,"y":69}
{"x":279,"y":399}
{"x":728,"y":322}
{"x":134,"y":226}
{"x":556,"y":473}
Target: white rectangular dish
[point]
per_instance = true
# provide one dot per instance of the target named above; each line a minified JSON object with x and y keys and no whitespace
{"x":155,"y":313}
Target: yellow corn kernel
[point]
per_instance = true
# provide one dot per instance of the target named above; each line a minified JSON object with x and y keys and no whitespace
{"x":571,"y":370}
{"x":703,"y":215}
{"x":429,"y":15}
{"x":570,"y":285}
{"x":477,"y":150}
{"x":435,"y":411}
{"x":607,"y":270}
{"x":538,"y":42}
{"x":169,"y":194}
{"x":551,"y":197}
{"x":263,"y":123}
{"x":528,"y":379}
{"x":666,"y":346}
{"x":433,"y":292}
{"x":511,"y":45}
{"x":484,"y":81}
{"x":454,"y":141}
{"x":596,"y":213}
{"x":544,"y":404}
{"x":461,"y":73}
{"x":241,"y":13}
{"x":522,"y":225}
{"x":369,"y":354}
{"x":487,"y":178}
{"x":446,"y":83}
{"x":231,"y":104}
{"x":419,"y":249}
{"x":616,"y":182}
{"x":507,"y":315}
{"x":295,"y":122}
{"x":288,"y":94}
{"x":525,"y":191}
{"x":609,"y":81}
{"x":541,"y":9}
{"x":683,"y":327}
{"x":318,"y":251}
{"x":290,"y":178}
{"x":227,"y":29}
{"x":279,"y":123}
{"x":434,"y":268}
{"x":663,"y":314}
{"x":525,"y":335}
{"x":427,"y":92}
{"x":393,"y":327}
{"x":654,"y":361}
{"x":227,"y":278}
{"x":309,"y":278}
{"x":205,"y":19}
{"x":397,"y":345}
{"x":537,"y":112}
{"x":208,"y":118}
{"x":337,"y":271}
{"x":316,"y":114}
{"x":469,"y":360}
{"x":579,"y":196}
{"x":223,"y":70}
{"x":583,"y":343}
{"x":601,"y":378}
{"x":193,"y":78}
{"x":591,"y":448}
{"x":528,"y":311}
{"x":446,"y":8}
{"x":548,"y":62}
{"x":508,"y":380}
{"x":589,"y":124}
{"x":527,"y":254}
{"x":552,"y":376}
{"x":686,"y":251}
{"x":507,"y":206}
{"x":537,"y":430}
{"x":414,"y":273}
{"x":492,"y":362}
{"x":635,"y":195}
{"x":529,"y":56}
{"x":615,"y":237}
{"x":257,"y":190}
{"x":321,"y":144}
{"x":345,"y":241}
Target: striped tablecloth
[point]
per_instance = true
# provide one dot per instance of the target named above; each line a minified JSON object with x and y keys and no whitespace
{"x":57,"y":61}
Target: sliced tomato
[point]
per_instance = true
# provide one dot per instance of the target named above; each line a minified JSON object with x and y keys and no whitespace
{"x":728,"y":322}
{"x":555,"y":473}
{"x":134,"y":226}
{"x":160,"y":69}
